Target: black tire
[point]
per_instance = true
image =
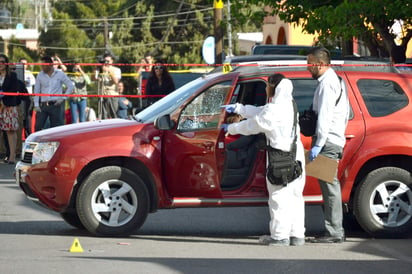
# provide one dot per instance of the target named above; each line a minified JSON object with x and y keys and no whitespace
{"x":382,"y":203}
{"x":72,"y":219}
{"x":112,"y":201}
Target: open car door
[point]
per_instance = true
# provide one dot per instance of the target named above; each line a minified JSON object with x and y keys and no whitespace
{"x":191,"y":148}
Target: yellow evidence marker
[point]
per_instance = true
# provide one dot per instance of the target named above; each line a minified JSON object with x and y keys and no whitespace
{"x":76,"y":247}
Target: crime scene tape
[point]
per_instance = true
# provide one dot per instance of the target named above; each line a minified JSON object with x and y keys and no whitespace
{"x":226,"y":68}
{"x":77,"y":95}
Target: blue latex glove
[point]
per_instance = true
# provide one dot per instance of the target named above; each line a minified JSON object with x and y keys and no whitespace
{"x":224,"y":127}
{"x":314,"y":152}
{"x":229,"y":108}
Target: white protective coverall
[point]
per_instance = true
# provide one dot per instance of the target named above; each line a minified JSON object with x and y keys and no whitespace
{"x":275,"y":120}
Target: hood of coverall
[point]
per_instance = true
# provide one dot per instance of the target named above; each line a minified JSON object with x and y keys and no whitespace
{"x":283,"y":91}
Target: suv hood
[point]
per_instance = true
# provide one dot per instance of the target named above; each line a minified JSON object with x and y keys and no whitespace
{"x":93,"y":127}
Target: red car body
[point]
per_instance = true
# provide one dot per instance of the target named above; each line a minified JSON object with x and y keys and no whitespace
{"x":169,"y":163}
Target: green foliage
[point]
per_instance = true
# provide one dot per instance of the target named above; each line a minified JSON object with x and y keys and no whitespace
{"x":171,"y":31}
{"x":343,"y":19}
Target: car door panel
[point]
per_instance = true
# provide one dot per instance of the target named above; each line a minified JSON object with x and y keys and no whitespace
{"x":192,"y":149}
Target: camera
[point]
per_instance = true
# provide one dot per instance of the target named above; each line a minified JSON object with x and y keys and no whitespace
{"x":99,"y":67}
{"x":103,"y":61}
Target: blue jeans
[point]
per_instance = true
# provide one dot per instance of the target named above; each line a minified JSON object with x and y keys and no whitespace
{"x":78,"y":110}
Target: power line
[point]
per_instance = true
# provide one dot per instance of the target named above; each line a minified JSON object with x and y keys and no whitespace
{"x":119,"y":18}
{"x":114,"y":47}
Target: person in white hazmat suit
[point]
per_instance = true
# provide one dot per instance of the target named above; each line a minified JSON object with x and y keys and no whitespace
{"x":276,"y":121}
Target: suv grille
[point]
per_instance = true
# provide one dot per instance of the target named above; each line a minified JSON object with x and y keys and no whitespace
{"x":27,"y":157}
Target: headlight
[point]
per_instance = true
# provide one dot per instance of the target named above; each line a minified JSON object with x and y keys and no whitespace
{"x":43,"y":152}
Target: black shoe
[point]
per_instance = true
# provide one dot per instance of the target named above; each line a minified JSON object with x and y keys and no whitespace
{"x":328,"y":240}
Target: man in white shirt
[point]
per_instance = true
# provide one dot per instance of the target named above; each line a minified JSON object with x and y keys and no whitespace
{"x":49,"y":82}
{"x":331,"y":104}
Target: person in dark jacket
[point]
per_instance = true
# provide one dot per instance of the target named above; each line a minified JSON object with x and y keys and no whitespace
{"x":9,"y":119}
{"x":160,"y":82}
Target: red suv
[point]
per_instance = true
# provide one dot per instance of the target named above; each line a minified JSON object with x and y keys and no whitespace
{"x":106,"y":176}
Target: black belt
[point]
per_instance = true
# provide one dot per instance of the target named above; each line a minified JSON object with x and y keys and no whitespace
{"x":48,"y":103}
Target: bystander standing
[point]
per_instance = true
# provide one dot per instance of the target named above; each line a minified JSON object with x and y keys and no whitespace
{"x":29,"y":81}
{"x":78,"y":104}
{"x":108,"y":79}
{"x":124,"y":104}
{"x":48,"y":102}
{"x":9,"y":123}
{"x":159,"y":84}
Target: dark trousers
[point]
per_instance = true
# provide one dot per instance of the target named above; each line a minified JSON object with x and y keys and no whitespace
{"x":54,"y":112}
{"x":6,"y":143}
{"x":109,"y":107}
{"x":332,"y":196}
{"x":27,"y":117}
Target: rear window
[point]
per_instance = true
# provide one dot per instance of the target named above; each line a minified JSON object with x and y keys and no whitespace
{"x":303,"y":91}
{"x":382,"y":97}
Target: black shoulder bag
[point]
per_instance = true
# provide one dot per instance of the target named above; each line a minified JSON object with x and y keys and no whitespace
{"x":283,"y":167}
{"x":309,"y":118}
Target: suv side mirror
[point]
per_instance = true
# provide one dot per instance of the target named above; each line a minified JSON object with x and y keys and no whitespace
{"x":163,"y":123}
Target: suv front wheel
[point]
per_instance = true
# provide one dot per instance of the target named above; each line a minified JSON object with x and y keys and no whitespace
{"x":383,"y":203}
{"x":113,"y":201}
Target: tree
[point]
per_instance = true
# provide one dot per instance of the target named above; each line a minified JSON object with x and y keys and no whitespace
{"x":342,"y":20}
{"x":173,"y":31}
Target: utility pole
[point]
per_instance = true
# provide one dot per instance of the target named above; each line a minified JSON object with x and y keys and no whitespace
{"x":218,"y":7}
{"x":229,"y":30}
{"x":106,"y":35}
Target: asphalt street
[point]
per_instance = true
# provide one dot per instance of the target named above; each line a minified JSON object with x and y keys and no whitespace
{"x":200,"y":240}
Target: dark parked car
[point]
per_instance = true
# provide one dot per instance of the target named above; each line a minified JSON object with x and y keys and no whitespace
{"x":106,"y":176}
{"x":289,"y":50}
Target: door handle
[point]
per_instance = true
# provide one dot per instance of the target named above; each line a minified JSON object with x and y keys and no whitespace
{"x":208,"y":145}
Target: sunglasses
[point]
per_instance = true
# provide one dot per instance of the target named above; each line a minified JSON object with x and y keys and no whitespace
{"x":158,"y":67}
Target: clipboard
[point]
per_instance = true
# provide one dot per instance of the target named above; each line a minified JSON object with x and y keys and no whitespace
{"x":322,"y":167}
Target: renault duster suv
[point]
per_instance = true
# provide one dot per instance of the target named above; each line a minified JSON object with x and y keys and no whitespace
{"x":106,"y":176}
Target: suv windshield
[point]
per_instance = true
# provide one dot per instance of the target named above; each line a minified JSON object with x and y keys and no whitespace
{"x":169,"y":103}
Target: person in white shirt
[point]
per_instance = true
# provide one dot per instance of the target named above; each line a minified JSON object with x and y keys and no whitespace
{"x":50,"y":82}
{"x":330,"y":103}
{"x":278,"y":122}
{"x":29,"y":81}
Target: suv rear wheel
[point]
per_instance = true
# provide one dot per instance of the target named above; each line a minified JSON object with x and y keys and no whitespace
{"x":383,"y":203}
{"x":112,"y":201}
